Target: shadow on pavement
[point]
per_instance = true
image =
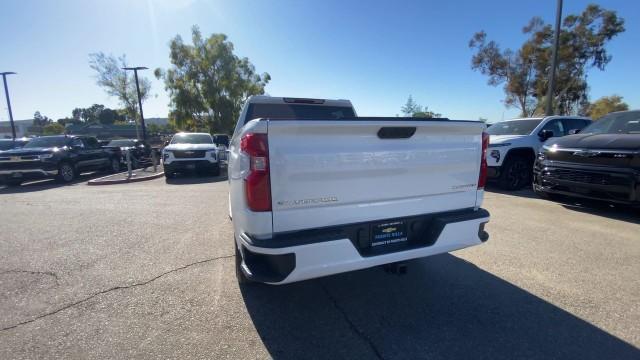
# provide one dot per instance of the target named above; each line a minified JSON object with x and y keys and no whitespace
{"x":47,"y":184}
{"x":526,"y":192}
{"x":594,"y":207}
{"x":444,"y":308}
{"x":186,"y":179}
{"x":616,"y":212}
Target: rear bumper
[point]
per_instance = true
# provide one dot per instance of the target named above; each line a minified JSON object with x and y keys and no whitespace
{"x":618,"y":185}
{"x":320,"y":252}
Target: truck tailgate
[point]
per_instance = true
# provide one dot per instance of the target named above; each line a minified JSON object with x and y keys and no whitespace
{"x":328,"y":172}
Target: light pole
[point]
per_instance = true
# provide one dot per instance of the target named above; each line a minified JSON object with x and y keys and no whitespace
{"x":135,"y":73}
{"x":6,"y":93}
{"x":554,"y":60}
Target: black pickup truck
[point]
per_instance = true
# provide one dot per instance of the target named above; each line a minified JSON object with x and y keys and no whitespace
{"x":63,"y":157}
{"x":601,"y":162}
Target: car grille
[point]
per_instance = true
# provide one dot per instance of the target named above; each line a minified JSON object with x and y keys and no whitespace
{"x":586,"y":177}
{"x":26,"y":165}
{"x":189,"y":154}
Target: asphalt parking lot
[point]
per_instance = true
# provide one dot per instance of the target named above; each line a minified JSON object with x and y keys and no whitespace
{"x":145,"y":270}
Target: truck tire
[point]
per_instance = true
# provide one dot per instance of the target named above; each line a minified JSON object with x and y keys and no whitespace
{"x":66,"y":172}
{"x":516,"y":173}
{"x":240,"y":276}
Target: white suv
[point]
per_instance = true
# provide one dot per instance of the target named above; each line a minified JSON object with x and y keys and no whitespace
{"x":514,"y":144}
{"x":190,"y":151}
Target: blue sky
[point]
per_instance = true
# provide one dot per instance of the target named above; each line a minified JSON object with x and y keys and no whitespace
{"x":375,"y":53}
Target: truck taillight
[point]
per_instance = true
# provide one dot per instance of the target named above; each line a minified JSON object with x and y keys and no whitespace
{"x":257,"y":185}
{"x":482,"y":178}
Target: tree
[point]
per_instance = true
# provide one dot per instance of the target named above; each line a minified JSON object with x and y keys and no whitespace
{"x":117,"y":82}
{"x":109,"y":116}
{"x":605,"y":105}
{"x":40,"y":120}
{"x":208,"y":83}
{"x":53,"y":129}
{"x":524,"y":73}
{"x":78,"y":114}
{"x":412,"y":108}
{"x":96,"y":113}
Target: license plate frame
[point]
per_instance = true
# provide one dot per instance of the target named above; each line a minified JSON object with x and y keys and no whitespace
{"x":388,"y":233}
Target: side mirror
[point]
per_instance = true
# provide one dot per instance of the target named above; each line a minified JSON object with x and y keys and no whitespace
{"x":574,"y":131}
{"x":546,"y":134}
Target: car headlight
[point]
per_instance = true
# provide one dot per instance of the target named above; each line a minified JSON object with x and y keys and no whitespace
{"x":45,"y":156}
{"x":212,"y":153}
{"x":165,"y":154}
{"x":499,"y":145}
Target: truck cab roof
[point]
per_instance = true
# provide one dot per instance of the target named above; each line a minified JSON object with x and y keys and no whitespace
{"x":265,"y":99}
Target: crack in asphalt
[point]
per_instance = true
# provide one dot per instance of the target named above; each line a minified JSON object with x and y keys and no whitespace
{"x":18,"y":271}
{"x":112,"y":289}
{"x":352,"y":326}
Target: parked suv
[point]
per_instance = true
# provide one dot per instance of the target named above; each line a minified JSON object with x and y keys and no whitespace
{"x":190,"y":151}
{"x":63,"y":157}
{"x":514,"y":144}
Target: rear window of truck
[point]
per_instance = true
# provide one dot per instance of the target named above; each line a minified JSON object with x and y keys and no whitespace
{"x":298,"y":111}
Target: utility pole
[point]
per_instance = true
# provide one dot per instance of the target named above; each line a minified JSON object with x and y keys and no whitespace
{"x":554,"y":60}
{"x":6,"y":93}
{"x":135,"y":73}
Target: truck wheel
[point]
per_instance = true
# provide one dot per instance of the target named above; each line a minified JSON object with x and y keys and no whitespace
{"x":515,"y":173}
{"x":114,"y":165}
{"x":240,"y":276}
{"x":66,"y":172}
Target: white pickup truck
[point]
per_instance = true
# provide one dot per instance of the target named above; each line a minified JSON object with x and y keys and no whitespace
{"x":315,"y":190}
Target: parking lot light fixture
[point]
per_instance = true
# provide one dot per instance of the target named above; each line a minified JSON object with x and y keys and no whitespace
{"x":135,"y":73}
{"x":6,"y":93}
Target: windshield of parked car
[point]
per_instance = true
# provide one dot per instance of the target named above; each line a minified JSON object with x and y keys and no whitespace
{"x":46,"y":142}
{"x":192,"y":139}
{"x":514,"y":127}
{"x":615,"y":123}
{"x":122,"y":143}
{"x":297,"y":111}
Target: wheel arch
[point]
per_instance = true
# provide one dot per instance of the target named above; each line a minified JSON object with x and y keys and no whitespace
{"x":525,"y":152}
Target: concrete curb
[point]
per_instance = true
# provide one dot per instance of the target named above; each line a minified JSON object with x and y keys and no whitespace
{"x":103,"y":180}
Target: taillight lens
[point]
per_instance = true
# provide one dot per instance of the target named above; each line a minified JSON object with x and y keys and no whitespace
{"x":482,"y":178}
{"x":256,"y":183}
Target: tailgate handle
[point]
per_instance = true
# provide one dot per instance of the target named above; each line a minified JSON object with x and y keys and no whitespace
{"x":396,"y":132}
